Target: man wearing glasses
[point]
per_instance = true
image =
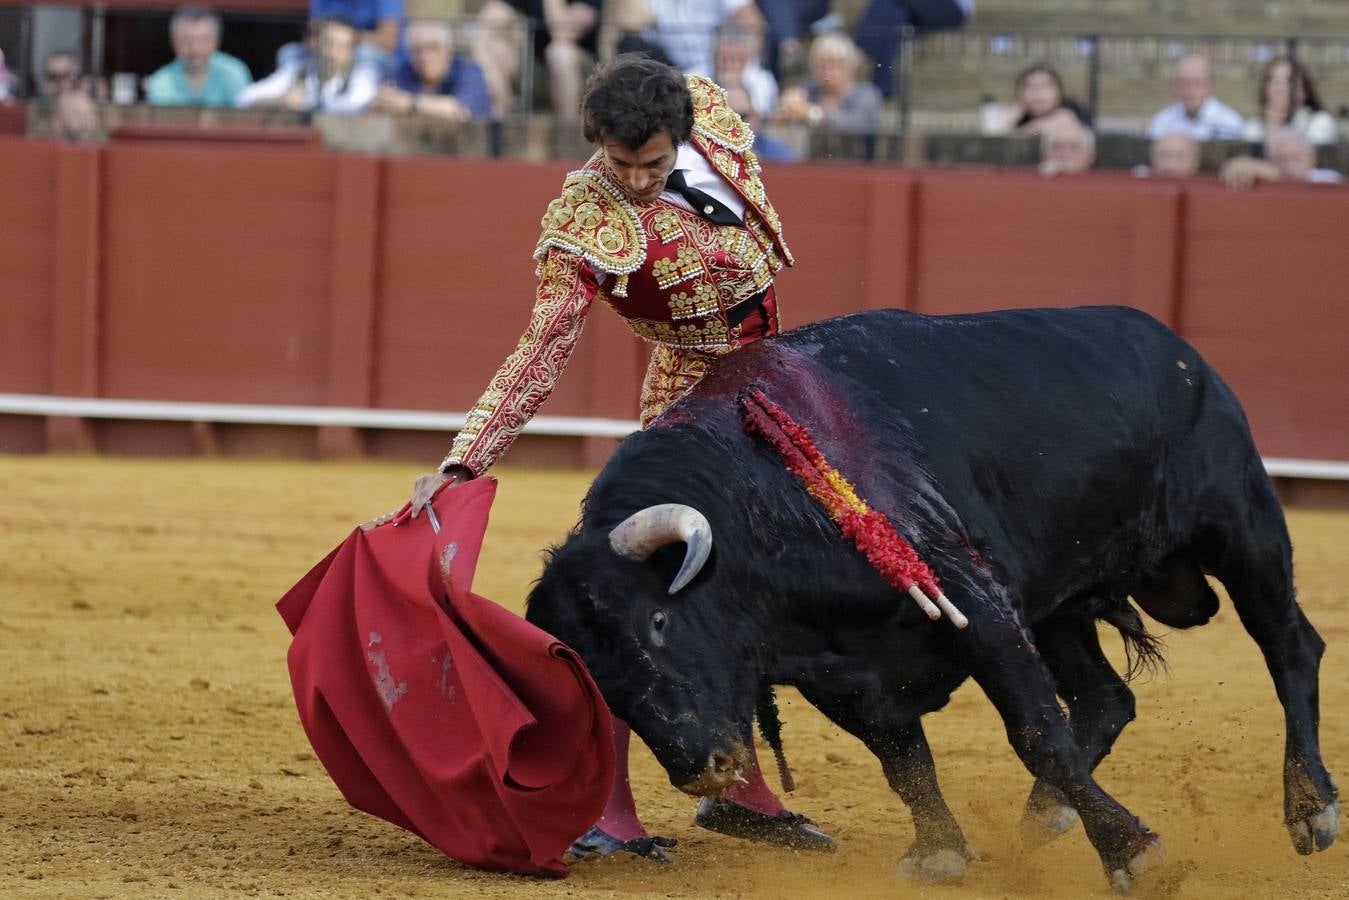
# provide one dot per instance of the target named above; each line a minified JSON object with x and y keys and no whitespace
{"x":60,"y":73}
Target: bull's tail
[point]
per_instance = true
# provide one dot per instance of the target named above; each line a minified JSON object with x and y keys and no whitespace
{"x":1142,"y":649}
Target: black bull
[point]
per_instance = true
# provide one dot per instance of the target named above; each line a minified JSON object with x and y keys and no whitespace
{"x":1047,"y":464}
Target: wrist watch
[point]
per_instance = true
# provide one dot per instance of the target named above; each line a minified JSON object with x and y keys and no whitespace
{"x":412,"y":106}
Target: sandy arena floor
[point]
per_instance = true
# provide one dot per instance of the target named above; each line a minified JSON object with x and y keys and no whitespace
{"x":149,"y":746}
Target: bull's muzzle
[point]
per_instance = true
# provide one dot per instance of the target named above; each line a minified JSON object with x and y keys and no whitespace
{"x":724,"y":768}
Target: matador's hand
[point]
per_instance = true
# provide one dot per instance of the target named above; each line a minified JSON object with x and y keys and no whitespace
{"x":426,"y":486}
{"x":423,"y":490}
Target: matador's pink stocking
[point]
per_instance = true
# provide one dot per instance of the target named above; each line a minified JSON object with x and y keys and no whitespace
{"x":620,"y":819}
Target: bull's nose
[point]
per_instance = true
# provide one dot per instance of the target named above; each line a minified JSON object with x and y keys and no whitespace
{"x":720,"y":762}
{"x":721,"y":770}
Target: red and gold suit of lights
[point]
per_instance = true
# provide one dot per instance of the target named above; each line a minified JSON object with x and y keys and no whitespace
{"x":671,"y":274}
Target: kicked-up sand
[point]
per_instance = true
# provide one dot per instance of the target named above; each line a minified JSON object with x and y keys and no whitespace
{"x":149,"y":745}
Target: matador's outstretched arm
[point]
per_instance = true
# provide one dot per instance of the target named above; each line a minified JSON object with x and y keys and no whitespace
{"x":567,"y":287}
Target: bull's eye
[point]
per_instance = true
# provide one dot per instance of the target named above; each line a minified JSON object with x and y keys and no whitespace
{"x":658,"y":622}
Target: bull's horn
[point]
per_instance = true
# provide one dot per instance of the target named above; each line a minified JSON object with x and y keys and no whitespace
{"x":647,"y":530}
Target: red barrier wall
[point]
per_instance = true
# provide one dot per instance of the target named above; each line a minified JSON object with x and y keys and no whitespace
{"x":298,"y":276}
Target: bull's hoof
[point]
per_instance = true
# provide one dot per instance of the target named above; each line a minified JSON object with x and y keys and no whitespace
{"x":1316,"y":832}
{"x":1040,"y":826}
{"x":1047,"y":816}
{"x":786,"y":829}
{"x":1127,"y":879}
{"x":945,"y":864}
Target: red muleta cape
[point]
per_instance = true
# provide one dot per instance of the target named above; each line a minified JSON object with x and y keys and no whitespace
{"x":439,"y":710}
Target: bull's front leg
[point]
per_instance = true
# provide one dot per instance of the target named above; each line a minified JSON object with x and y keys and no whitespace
{"x":1008,"y":668}
{"x":939,"y":851}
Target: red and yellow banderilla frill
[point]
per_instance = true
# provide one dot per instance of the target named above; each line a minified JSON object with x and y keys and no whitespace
{"x":887,"y":551}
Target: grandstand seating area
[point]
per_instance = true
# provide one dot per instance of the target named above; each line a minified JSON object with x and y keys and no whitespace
{"x":1117,"y":54}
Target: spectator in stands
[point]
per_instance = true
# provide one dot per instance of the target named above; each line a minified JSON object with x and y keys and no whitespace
{"x":1173,"y":155}
{"x":751,"y":90}
{"x":684,"y":29}
{"x":1291,"y":157}
{"x":878,"y":32}
{"x":1288,"y":97}
{"x":434,"y":81}
{"x":377,"y":24}
{"x":833,"y":96}
{"x":200,"y":75}
{"x":60,"y":73}
{"x":1040,"y":103}
{"x":1067,"y":147}
{"x":565,"y":39}
{"x":331,"y":80}
{"x":1196,"y":113}
{"x":787,"y":20}
{"x":6,"y":80}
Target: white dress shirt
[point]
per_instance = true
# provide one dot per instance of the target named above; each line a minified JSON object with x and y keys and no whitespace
{"x":1317,"y":126}
{"x":1215,"y":121}
{"x":337,"y":95}
{"x":698,"y":173}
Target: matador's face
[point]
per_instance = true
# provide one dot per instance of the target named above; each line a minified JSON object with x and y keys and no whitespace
{"x":641,"y":172}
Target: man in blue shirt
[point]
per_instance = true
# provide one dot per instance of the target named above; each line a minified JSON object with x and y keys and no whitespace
{"x":200,"y":75}
{"x":433,"y":81}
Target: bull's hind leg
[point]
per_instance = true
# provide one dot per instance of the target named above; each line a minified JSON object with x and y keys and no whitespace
{"x":1099,"y":704}
{"x":939,"y":851}
{"x":1256,"y":567}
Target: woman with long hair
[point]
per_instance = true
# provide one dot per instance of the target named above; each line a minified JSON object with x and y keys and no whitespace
{"x":1040,"y":102}
{"x":1288,"y":98}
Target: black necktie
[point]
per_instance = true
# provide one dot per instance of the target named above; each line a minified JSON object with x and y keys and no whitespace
{"x":703,"y":203}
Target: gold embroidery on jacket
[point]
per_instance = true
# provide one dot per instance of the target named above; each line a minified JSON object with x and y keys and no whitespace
{"x":688,"y":263}
{"x":667,"y":226}
{"x":713,"y":117}
{"x":702,"y":302}
{"x":669,"y":376}
{"x":720,"y":133}
{"x":594,"y":219}
{"x":711,"y":334}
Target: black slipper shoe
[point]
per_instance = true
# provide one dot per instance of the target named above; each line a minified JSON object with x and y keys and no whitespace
{"x":596,"y":842}
{"x":786,"y":829}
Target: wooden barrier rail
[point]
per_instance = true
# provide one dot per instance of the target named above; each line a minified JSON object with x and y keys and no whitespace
{"x":300,"y":277}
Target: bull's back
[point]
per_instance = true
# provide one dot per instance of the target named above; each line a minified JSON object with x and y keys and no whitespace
{"x":1053,"y":429}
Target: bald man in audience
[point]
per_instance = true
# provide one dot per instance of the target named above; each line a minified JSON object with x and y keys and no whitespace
{"x":1290,"y":157}
{"x":1196,"y":112}
{"x":1067,"y":147}
{"x":1175,"y":155}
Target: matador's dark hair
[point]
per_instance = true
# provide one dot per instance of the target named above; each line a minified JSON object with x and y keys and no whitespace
{"x":634,"y":98}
